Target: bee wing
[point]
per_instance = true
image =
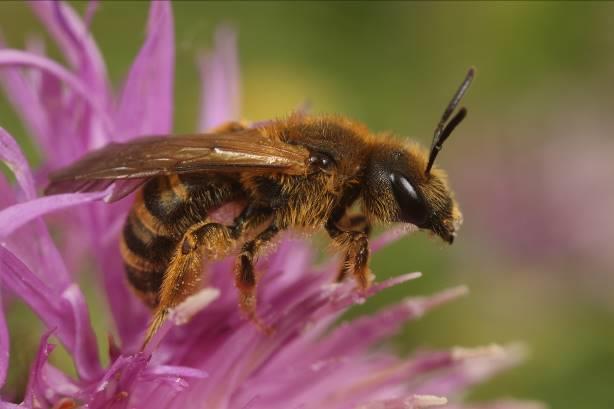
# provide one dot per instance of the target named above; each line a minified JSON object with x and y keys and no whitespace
{"x":134,"y":162}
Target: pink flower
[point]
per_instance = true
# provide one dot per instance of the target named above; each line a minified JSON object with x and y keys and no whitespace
{"x":207,"y":355}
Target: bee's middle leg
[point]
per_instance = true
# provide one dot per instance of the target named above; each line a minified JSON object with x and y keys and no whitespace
{"x":355,"y":243}
{"x":245,"y":276}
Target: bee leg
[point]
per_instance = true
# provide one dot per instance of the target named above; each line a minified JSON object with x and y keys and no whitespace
{"x":184,"y":273}
{"x":245,"y":277}
{"x":356,"y":247}
{"x":344,"y":269}
{"x":355,"y":223}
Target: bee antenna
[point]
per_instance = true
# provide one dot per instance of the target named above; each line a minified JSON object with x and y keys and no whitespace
{"x":445,"y":128}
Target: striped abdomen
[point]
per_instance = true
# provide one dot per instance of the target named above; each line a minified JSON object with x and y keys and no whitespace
{"x":162,"y":212}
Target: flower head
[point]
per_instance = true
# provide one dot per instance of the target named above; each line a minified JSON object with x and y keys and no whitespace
{"x":206,"y":354}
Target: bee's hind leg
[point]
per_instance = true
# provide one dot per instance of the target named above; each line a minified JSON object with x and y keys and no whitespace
{"x":184,"y":273}
{"x":245,"y":276}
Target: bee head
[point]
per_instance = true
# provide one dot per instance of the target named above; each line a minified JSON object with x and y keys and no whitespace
{"x":397,"y":189}
{"x":404,"y":186}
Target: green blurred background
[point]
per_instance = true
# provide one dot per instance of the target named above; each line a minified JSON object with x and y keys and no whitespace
{"x":531,"y":165}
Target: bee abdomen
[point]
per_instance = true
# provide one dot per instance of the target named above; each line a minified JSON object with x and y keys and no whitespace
{"x":146,"y":284}
{"x":146,"y":254}
{"x":172,"y":204}
{"x":164,"y":203}
{"x":164,"y":209}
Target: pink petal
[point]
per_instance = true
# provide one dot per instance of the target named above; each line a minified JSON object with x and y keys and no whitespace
{"x":7,"y":194}
{"x":175,"y":371}
{"x":22,"y":95}
{"x":364,"y":332}
{"x":73,"y":127}
{"x":35,"y":383}
{"x":368,"y":330}
{"x":471,"y":366}
{"x":47,"y":385}
{"x":43,"y":247}
{"x":352,"y":389}
{"x":338,"y":362}
{"x":65,"y":310}
{"x":345,"y":295}
{"x":17,"y":215}
{"x":17,"y":58}
{"x":130,"y":315}
{"x":4,"y":347}
{"x":84,"y":348}
{"x":390,"y":236}
{"x":119,"y":379}
{"x":501,"y":404}
{"x":410,"y":402}
{"x":75,"y":41}
{"x":40,"y":100}
{"x":146,"y":104}
{"x":174,"y":377}
{"x":92,"y":8}
{"x":219,"y":75}
{"x":59,"y":386}
{"x":10,"y":153}
{"x":118,"y":387}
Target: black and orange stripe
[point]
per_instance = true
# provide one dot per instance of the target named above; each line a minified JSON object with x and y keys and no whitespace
{"x":163,"y":210}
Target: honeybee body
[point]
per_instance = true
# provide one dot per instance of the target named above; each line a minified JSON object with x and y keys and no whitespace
{"x":301,"y":172}
{"x":167,"y":207}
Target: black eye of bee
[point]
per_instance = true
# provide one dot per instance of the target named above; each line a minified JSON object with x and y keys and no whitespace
{"x":321,"y":160}
{"x":411,"y":206}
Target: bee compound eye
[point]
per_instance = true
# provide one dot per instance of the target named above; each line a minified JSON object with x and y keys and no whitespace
{"x":412,"y":208}
{"x":405,"y":186}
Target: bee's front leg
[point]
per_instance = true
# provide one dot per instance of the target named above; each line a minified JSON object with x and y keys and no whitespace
{"x":245,"y":276}
{"x":355,"y":243}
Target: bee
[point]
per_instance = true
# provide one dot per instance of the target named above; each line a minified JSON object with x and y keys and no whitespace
{"x":300,"y":172}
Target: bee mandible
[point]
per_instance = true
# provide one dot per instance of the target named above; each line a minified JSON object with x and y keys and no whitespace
{"x":300,"y":172}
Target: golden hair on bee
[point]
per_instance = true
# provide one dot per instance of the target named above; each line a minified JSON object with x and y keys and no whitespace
{"x":301,"y":172}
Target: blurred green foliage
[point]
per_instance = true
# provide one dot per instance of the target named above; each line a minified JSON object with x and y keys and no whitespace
{"x":394,"y":65}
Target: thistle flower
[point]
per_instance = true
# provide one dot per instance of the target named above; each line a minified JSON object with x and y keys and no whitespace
{"x":207,"y":355}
